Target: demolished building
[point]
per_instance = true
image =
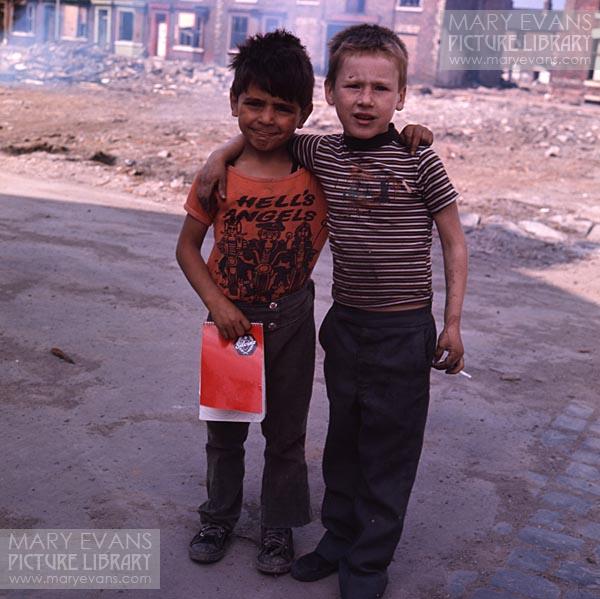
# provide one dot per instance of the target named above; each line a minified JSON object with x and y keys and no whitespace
{"x":208,"y":31}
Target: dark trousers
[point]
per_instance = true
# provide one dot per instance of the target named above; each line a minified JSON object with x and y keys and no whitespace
{"x":377,"y":367}
{"x":289,"y":330}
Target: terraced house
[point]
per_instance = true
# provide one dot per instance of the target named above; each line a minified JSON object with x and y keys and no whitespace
{"x":208,"y":31}
{"x":36,"y":21}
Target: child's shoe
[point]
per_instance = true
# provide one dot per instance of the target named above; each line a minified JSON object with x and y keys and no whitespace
{"x":312,"y":567}
{"x":276,"y":551}
{"x":210,"y":544}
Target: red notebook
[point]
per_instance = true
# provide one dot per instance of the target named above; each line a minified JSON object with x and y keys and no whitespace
{"x":232,"y":376}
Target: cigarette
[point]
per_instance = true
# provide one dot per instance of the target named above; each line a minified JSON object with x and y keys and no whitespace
{"x":465,"y":374}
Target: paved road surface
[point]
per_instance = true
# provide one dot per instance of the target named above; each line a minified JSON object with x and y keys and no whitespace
{"x":113,"y":441}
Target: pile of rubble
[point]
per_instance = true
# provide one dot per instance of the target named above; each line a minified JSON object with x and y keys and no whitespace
{"x":59,"y":63}
{"x":510,"y":120}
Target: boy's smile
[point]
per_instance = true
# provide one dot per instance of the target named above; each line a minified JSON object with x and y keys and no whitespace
{"x":267,"y":122}
{"x":365,"y":94}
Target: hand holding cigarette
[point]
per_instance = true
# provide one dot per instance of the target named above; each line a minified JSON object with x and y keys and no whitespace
{"x":441,"y":363}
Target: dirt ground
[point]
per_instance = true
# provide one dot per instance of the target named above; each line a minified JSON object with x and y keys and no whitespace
{"x":527,"y":163}
{"x":516,"y":155}
{"x":528,"y":169}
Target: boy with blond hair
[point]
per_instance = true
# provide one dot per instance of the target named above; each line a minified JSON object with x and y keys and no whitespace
{"x":379,"y":336}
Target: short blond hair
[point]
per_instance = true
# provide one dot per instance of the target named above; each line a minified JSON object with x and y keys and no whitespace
{"x":367,"y":39}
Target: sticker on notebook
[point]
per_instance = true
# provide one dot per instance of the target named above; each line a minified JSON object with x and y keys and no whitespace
{"x":245,"y":345}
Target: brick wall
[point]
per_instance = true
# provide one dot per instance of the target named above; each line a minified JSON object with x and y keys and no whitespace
{"x":419,"y":28}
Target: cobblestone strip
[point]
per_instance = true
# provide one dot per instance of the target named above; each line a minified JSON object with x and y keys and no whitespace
{"x":553,"y":558}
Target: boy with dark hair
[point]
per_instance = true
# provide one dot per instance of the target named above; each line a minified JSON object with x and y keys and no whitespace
{"x":258,"y":271}
{"x":379,"y":336}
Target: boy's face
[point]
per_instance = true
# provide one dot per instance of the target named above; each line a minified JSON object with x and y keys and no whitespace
{"x":365,"y":94}
{"x":267,"y":122}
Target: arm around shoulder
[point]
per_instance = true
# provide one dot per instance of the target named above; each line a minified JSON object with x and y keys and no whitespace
{"x":214,"y":171}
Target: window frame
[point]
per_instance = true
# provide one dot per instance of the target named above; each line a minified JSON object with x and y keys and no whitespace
{"x":198,"y":29}
{"x":232,"y":47}
{"x":30,"y":14}
{"x":120,"y":13}
{"x":410,"y":5}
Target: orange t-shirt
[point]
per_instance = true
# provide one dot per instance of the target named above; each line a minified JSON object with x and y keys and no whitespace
{"x":268,"y":234}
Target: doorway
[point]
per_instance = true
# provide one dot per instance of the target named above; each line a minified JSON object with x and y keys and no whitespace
{"x":103,"y":30}
{"x":49,"y":32}
{"x":161,"y":34}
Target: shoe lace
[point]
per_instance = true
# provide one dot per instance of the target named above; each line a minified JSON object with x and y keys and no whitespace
{"x":275,"y":540}
{"x":209,"y":530}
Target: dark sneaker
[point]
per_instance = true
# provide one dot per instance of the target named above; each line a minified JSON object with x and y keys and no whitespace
{"x":276,"y":551}
{"x":312,"y":567}
{"x":210,"y":544}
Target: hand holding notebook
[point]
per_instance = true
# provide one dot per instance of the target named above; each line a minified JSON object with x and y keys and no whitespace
{"x":232,"y":376}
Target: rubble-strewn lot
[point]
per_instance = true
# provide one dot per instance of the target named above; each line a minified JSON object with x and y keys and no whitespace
{"x":526,"y":161}
{"x":507,"y":494}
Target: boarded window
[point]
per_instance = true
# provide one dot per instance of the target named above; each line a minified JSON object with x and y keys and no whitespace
{"x":74,"y":21}
{"x":125,"y":26}
{"x":188,"y":31}
{"x":23,"y":18}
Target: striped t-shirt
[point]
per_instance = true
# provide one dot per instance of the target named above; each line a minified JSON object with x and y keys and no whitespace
{"x":380,"y":202}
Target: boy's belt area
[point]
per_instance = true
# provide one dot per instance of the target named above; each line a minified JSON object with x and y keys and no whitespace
{"x":370,"y":319}
{"x":281,"y":311}
{"x":402,"y":307}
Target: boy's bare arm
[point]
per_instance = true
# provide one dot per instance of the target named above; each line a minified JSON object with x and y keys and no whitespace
{"x":214,"y":171}
{"x":230,"y":321}
{"x":454,"y":249}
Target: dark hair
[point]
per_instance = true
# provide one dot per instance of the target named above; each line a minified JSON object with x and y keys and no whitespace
{"x":277,"y":63}
{"x":366,"y":39}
